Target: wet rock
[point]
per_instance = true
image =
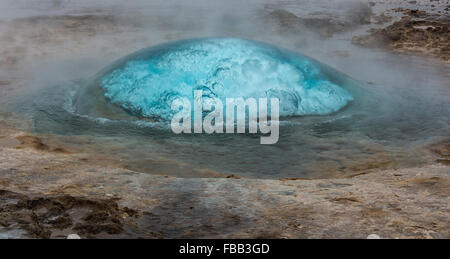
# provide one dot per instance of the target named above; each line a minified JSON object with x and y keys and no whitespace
{"x":417,"y":31}
{"x":43,"y":216}
{"x":433,"y":185}
{"x":27,"y":141}
{"x":347,"y":199}
{"x":34,"y":142}
{"x":441,"y":149}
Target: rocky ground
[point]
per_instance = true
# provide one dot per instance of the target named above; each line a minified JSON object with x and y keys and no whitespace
{"x":45,"y":192}
{"x":414,"y":27}
{"x":49,"y":189}
{"x":416,"y":31}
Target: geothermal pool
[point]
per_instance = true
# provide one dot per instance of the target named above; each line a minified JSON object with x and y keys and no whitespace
{"x":331,"y":124}
{"x":146,"y":83}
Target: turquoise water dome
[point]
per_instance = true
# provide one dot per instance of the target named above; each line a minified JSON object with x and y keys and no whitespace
{"x":145,"y":83}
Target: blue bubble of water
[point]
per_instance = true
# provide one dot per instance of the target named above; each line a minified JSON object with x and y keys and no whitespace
{"x":146,"y":83}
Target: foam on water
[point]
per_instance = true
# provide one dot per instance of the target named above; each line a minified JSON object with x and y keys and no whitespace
{"x":146,"y":83}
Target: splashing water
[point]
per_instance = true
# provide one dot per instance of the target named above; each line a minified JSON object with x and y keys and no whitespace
{"x":146,"y":83}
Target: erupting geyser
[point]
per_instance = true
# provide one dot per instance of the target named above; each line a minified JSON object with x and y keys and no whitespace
{"x":145,"y":83}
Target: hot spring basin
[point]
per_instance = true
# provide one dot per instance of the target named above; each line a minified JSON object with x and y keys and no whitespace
{"x":381,"y":124}
{"x":145,"y":83}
